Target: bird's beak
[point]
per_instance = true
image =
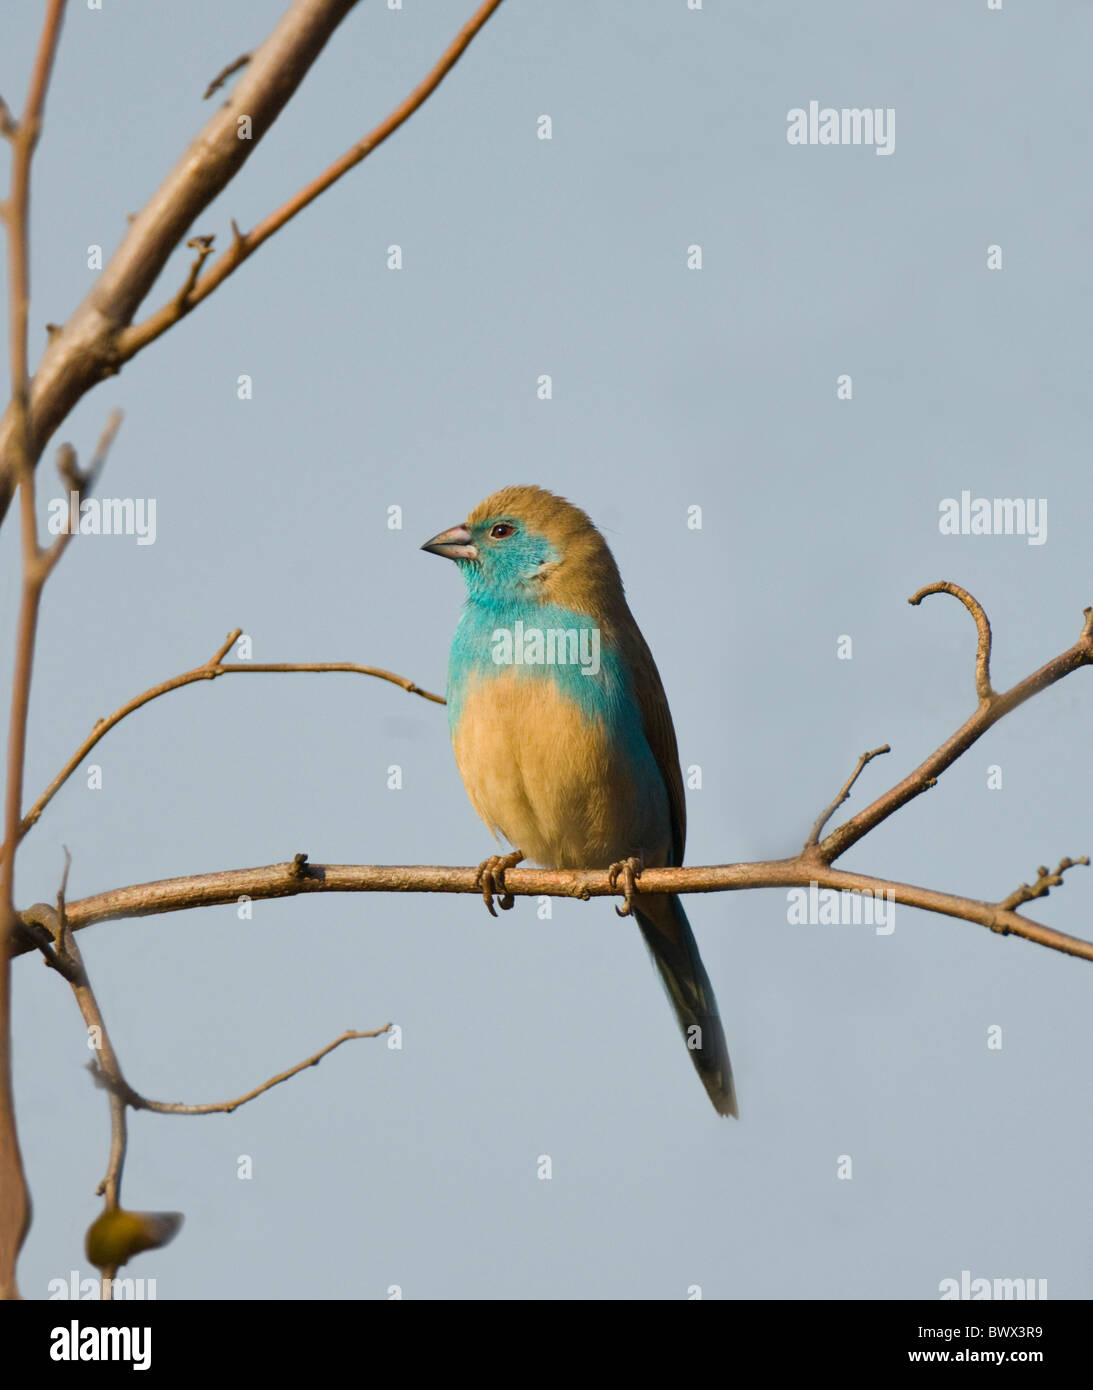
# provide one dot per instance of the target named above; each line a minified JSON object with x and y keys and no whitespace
{"x":456,"y":543}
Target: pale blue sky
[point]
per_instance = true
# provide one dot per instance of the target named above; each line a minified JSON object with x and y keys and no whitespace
{"x":671,"y":388}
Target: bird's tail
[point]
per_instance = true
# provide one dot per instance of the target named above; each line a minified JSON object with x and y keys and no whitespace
{"x":673,"y":947}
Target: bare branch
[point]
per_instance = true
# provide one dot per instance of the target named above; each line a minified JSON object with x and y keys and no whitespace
{"x":287,"y":880}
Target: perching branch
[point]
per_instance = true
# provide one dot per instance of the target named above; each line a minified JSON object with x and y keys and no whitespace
{"x":297,"y":876}
{"x":99,"y":338}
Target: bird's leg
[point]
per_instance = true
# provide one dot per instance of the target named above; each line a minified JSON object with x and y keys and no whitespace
{"x":626,"y":869}
{"x":491,"y":879}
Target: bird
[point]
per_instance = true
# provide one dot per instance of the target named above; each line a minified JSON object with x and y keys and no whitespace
{"x":562,"y":733}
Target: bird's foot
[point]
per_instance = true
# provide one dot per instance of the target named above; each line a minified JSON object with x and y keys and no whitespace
{"x":626,"y":869}
{"x":491,"y":879}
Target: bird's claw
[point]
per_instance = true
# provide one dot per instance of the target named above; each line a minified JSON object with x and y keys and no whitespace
{"x":626,"y":869}
{"x":491,"y":879}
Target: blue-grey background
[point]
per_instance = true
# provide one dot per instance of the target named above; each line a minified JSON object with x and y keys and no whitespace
{"x":672,"y":388}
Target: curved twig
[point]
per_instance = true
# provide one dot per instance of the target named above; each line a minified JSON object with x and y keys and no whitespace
{"x":982,"y":627}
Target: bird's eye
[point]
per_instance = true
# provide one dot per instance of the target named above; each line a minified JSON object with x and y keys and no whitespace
{"x":501,"y":530}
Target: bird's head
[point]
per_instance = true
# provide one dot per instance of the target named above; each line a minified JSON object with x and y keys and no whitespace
{"x":526,"y":544}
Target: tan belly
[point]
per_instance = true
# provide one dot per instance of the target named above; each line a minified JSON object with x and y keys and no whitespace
{"x":543,"y":776}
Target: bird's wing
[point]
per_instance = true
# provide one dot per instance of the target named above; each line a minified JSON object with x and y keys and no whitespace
{"x":660,"y":733}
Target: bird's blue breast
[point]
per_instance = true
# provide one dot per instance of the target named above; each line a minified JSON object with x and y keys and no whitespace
{"x":542,"y":642}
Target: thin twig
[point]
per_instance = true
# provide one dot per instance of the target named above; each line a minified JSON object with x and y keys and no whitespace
{"x":166,"y":1107}
{"x":207,"y":671}
{"x":79,"y":482}
{"x":1045,"y":882}
{"x":203,"y":245}
{"x":843,"y":795}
